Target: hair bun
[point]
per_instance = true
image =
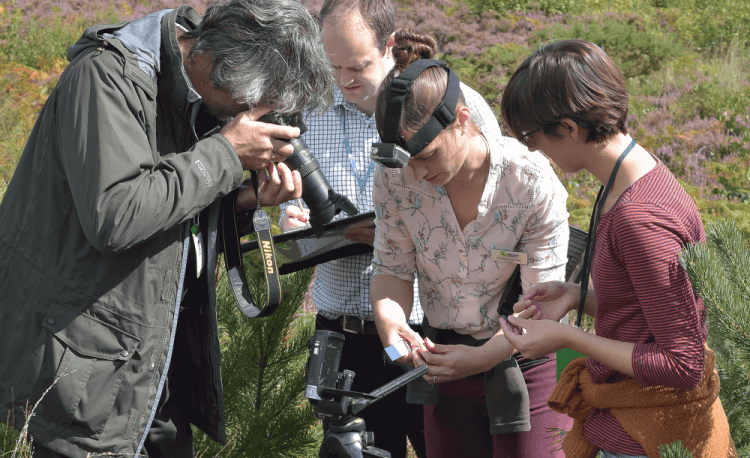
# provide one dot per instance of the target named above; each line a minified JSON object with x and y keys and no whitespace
{"x":411,"y":46}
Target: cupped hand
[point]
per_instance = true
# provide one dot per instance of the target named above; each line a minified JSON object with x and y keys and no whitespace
{"x":257,"y":143}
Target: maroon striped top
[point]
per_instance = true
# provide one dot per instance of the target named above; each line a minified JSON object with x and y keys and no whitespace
{"x":644,"y":296}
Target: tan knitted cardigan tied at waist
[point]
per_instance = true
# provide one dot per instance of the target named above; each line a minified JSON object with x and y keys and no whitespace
{"x":652,"y":416}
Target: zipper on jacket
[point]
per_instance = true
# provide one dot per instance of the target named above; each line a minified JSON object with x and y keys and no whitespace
{"x":178,"y":299}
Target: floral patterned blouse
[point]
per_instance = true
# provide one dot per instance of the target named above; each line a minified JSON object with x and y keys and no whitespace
{"x":522,"y":219}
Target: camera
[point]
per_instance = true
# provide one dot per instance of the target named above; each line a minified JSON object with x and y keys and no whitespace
{"x":389,"y":155}
{"x":329,"y":391}
{"x":324,"y":203}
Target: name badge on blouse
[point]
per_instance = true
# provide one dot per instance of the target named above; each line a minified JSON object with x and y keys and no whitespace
{"x":509,"y":256}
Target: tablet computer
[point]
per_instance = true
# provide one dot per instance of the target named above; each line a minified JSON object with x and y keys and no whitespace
{"x":300,"y":248}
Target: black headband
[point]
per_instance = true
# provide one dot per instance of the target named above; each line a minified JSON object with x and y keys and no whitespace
{"x":441,"y":118}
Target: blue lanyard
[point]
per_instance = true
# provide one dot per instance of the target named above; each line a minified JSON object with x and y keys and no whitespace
{"x":362,"y":181}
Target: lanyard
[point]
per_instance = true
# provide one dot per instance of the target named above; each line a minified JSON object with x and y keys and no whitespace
{"x":362,"y":181}
{"x":593,"y":224}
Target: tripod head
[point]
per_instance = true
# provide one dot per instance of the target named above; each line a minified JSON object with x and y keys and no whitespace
{"x":329,"y":391}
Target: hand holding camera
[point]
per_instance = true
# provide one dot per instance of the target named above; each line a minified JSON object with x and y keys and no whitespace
{"x":258,"y":142}
{"x":324,"y":203}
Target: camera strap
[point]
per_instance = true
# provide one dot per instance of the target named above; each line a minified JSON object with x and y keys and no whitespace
{"x":233,"y":259}
{"x":593,"y":225}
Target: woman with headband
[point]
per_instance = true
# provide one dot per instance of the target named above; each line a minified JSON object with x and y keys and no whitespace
{"x":462,"y":209}
{"x":648,"y":379}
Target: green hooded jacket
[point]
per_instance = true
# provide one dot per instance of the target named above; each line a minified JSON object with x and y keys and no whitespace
{"x":95,"y":242}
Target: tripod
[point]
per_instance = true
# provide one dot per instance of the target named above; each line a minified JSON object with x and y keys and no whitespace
{"x":330,"y":393}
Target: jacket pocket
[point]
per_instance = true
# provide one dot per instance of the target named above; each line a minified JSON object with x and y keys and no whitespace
{"x":87,"y":357}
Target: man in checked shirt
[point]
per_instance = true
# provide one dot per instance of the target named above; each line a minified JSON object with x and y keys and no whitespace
{"x":358,"y":37}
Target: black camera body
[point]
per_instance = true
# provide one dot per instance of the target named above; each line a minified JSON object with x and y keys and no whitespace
{"x":324,"y":203}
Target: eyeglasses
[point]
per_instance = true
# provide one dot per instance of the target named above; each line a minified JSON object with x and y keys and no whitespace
{"x":526,"y":136}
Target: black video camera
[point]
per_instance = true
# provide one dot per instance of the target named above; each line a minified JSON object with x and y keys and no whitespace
{"x":324,"y":203}
{"x":328,"y":391}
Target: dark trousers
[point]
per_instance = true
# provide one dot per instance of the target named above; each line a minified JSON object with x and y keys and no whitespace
{"x":170,"y":436}
{"x":391,"y":419}
{"x":459,"y":424}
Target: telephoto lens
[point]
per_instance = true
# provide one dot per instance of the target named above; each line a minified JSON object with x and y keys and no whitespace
{"x":324,"y":203}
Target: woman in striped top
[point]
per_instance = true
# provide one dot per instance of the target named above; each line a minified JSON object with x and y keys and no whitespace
{"x":569,"y":101}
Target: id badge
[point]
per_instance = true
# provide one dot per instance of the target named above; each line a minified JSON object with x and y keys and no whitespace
{"x":516,"y":257}
{"x":195,"y":234}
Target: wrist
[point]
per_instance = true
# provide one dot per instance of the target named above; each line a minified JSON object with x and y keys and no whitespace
{"x":574,"y":289}
{"x":493,"y":352}
{"x":568,"y":337}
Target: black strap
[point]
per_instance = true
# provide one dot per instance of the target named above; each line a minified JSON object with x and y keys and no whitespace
{"x":236,"y":270}
{"x":441,"y":118}
{"x":593,"y":224}
{"x":511,"y":294}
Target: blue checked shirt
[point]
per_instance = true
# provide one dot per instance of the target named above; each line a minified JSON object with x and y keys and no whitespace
{"x":342,"y":287}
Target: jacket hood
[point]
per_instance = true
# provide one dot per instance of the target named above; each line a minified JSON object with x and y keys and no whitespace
{"x":142,"y":37}
{"x":152,"y":49}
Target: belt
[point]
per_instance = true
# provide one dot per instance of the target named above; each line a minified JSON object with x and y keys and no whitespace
{"x":348,"y":323}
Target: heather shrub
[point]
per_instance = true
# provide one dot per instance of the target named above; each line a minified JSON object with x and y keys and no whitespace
{"x":709,"y":24}
{"x":546,"y":6}
{"x":25,"y":42}
{"x":722,"y":88}
{"x":98,"y":11}
{"x":582,"y":188}
{"x":24,"y":90}
{"x":711,"y":99}
{"x":489,"y":71}
{"x":637,"y":48}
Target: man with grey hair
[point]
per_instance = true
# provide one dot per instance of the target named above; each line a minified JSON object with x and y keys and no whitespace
{"x":108,"y":242}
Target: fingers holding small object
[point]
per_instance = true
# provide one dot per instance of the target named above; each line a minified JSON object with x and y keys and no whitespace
{"x":398,"y":350}
{"x":511,"y":328}
{"x":434,"y":379}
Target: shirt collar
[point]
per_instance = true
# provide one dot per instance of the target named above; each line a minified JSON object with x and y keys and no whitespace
{"x":340,"y":102}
